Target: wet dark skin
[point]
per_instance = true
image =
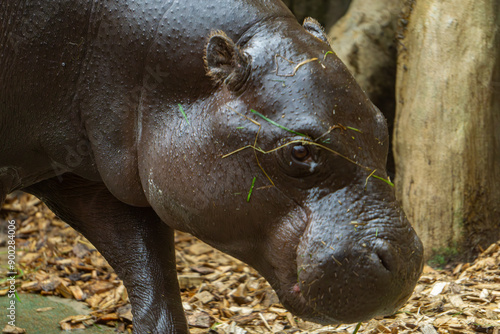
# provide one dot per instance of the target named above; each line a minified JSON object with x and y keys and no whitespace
{"x":90,"y":122}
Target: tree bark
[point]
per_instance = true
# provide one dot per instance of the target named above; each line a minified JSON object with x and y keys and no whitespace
{"x":447,"y":130}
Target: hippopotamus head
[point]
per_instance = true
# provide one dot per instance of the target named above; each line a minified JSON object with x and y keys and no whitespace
{"x":281,"y":163}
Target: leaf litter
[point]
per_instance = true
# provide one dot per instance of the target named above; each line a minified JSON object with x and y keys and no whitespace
{"x":222,"y":295}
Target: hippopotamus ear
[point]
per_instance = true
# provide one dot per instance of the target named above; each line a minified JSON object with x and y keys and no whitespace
{"x":314,"y":28}
{"x":225,"y":62}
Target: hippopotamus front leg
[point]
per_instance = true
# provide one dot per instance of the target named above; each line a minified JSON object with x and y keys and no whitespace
{"x":144,"y":259}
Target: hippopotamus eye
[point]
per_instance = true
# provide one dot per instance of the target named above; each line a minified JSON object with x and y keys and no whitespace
{"x":300,"y":153}
{"x":298,"y":160}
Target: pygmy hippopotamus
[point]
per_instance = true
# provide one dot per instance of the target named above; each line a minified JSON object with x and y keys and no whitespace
{"x":226,"y":119}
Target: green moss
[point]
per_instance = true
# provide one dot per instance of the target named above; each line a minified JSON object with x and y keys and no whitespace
{"x":444,"y":256}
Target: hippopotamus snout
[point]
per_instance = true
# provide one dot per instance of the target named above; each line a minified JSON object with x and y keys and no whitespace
{"x":352,"y":269}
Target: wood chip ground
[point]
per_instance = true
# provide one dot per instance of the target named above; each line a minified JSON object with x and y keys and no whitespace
{"x":221,"y":294}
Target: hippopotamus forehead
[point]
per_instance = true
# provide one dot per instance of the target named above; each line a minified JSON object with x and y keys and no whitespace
{"x":297,"y":71}
{"x":314,"y":89}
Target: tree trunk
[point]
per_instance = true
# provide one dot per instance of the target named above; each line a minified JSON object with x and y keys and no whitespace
{"x":447,"y":130}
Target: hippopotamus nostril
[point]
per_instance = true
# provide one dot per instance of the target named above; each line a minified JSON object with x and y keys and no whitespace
{"x":383,"y":261}
{"x":385,"y":253}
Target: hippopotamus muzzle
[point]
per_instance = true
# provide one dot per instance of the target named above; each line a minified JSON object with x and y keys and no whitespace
{"x":358,"y":265}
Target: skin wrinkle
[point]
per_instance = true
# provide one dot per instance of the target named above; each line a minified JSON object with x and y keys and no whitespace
{"x":297,"y":235}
